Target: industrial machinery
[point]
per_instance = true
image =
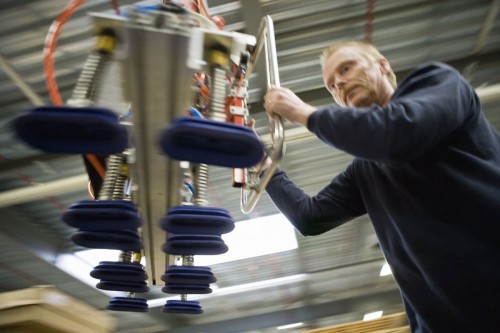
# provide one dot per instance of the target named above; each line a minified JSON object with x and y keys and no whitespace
{"x":178,"y":86}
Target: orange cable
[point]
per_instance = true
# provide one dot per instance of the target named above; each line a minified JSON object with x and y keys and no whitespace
{"x":50,"y":47}
{"x":48,"y":51}
{"x":96,"y":164}
{"x":114,"y":5}
{"x":194,"y":6}
{"x":370,"y":15}
{"x":203,"y":8}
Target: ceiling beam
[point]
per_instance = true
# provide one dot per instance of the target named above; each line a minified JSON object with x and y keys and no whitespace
{"x":20,"y":82}
{"x":25,"y":233}
{"x":488,"y":24}
{"x":43,"y":190}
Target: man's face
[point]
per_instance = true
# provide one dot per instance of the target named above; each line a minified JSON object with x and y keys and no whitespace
{"x":355,"y":78}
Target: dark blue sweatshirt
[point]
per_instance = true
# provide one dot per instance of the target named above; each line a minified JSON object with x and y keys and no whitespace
{"x":427,"y":172}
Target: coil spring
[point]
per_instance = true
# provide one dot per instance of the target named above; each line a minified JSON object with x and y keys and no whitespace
{"x":88,"y":81}
{"x":187,"y":260}
{"x":218,"y":95}
{"x":125,"y":256}
{"x":113,"y":187}
{"x":200,"y":180}
{"x":217,"y":112}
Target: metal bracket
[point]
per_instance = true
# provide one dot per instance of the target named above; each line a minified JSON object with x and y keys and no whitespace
{"x":259,"y":178}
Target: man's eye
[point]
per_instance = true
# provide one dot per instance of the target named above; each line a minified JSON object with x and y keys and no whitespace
{"x":345,"y":69}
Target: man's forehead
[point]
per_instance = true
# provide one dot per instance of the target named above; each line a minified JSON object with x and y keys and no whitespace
{"x":344,"y":53}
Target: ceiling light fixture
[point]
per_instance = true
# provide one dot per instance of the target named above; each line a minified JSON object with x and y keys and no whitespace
{"x":373,"y":315}
{"x":272,"y":234}
{"x":386,"y":270}
{"x":80,"y":269}
{"x":241,"y":242}
{"x":252,"y":286}
{"x":285,"y":327}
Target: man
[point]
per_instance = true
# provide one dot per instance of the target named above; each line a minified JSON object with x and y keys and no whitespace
{"x":426,"y":171}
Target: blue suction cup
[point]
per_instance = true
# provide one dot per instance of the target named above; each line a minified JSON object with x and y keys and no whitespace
{"x":102,"y":215}
{"x":198,"y":220}
{"x":119,"y":272}
{"x":128,"y":304}
{"x":211,"y":142}
{"x":195,"y":244}
{"x":216,"y":211}
{"x":124,"y":240}
{"x":134,"y":287}
{"x":186,"y":289}
{"x":182,"y":307}
{"x":188,"y":275}
{"x":72,"y":130}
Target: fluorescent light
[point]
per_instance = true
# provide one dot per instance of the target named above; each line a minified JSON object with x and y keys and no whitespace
{"x":253,"y":238}
{"x":76,"y":267}
{"x":250,"y":238}
{"x":94,"y":256}
{"x":79,"y":269}
{"x":386,"y":270}
{"x":285,"y":327}
{"x":272,"y":234}
{"x":373,"y":315}
{"x":271,"y":283}
{"x":81,"y":263}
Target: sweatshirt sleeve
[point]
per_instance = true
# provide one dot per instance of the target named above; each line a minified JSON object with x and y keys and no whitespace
{"x":428,"y":107}
{"x":334,"y":205}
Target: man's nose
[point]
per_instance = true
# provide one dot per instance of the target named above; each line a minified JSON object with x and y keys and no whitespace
{"x":339,"y":84}
{"x":336,"y":91}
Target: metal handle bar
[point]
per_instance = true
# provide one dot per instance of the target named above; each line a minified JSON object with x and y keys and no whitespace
{"x":258,"y":179}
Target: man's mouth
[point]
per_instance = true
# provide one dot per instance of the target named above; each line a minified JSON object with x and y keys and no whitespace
{"x":349,"y":94}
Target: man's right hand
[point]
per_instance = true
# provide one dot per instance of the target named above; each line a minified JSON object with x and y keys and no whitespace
{"x":285,"y":103}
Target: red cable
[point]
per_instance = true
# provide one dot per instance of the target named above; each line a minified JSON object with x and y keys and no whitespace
{"x":370,"y":15}
{"x":195,"y":6}
{"x":49,"y":51}
{"x":114,"y":5}
{"x":203,"y":9}
{"x":96,"y":164}
{"x":50,"y":47}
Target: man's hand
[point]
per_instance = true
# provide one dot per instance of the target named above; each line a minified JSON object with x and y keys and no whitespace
{"x":284,"y":102}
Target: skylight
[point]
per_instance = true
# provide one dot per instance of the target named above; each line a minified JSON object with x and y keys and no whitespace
{"x":253,"y":238}
{"x":373,"y":315}
{"x":250,"y":238}
{"x":286,"y":327}
{"x":386,"y":270}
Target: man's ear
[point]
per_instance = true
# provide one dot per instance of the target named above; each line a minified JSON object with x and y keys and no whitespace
{"x":384,"y":65}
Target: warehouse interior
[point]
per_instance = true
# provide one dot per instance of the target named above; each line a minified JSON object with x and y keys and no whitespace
{"x":320,"y":281}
